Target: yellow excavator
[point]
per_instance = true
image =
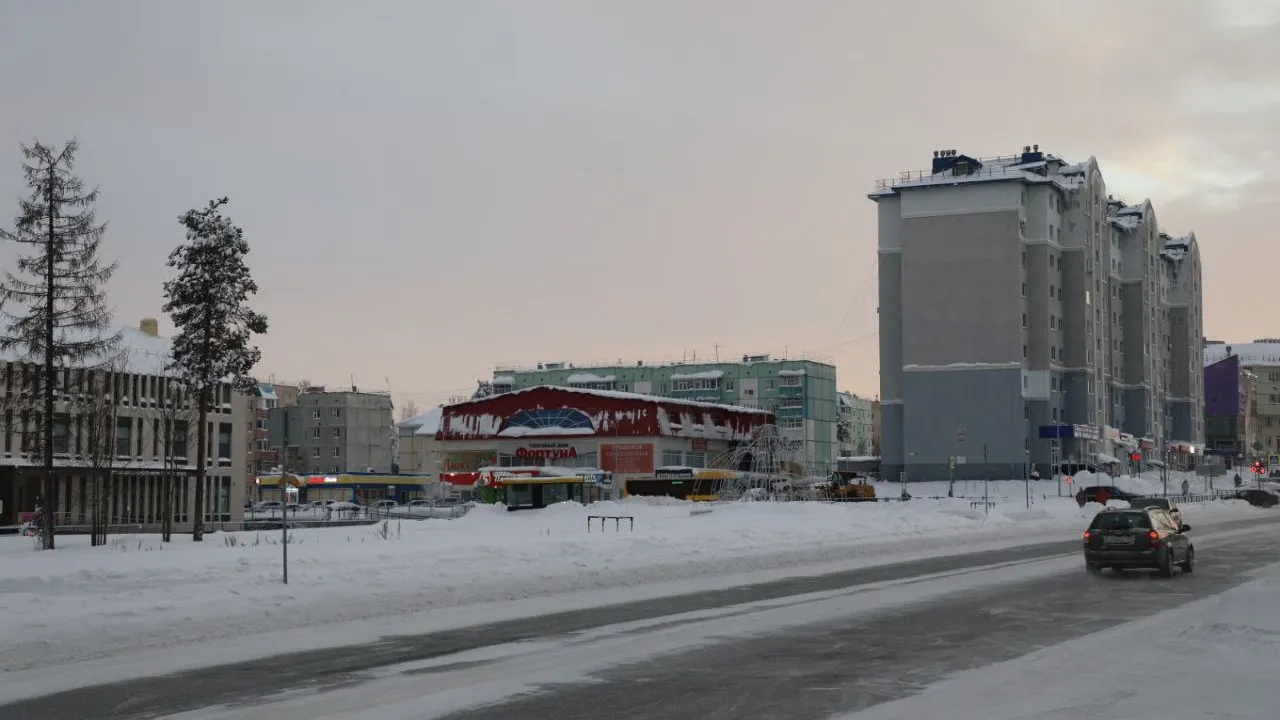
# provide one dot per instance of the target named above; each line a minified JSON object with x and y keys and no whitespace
{"x":849,"y":487}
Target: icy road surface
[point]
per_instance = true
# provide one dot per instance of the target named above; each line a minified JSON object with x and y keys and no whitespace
{"x":801,"y":648}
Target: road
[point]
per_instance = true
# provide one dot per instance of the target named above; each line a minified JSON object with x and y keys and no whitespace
{"x":836,"y":648}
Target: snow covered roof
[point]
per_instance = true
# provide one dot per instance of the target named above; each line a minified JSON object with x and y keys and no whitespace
{"x":140,"y":353}
{"x":619,"y":395}
{"x":1048,"y":169}
{"x":588,"y":378}
{"x":704,"y":375}
{"x":427,"y":423}
{"x":1258,"y":352}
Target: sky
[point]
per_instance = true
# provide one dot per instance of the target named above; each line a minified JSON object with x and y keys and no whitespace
{"x":431,"y":189}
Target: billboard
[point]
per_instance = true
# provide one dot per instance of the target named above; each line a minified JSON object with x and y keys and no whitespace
{"x":469,"y":461}
{"x":626,"y":458}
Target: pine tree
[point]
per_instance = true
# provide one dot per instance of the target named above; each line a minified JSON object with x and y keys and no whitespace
{"x":207,"y":302}
{"x":55,"y":304}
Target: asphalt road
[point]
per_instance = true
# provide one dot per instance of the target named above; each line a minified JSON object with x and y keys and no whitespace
{"x":809,"y":671}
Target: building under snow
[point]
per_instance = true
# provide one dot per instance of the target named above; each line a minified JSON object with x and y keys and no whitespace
{"x":627,"y":434}
{"x":1028,"y":315}
{"x":800,"y":393}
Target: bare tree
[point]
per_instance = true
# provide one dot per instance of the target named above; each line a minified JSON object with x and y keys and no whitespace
{"x":99,"y":412}
{"x":176,"y":413}
{"x":410,"y":409}
{"x":55,"y":304}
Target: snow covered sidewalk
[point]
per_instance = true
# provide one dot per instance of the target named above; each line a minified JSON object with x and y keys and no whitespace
{"x":140,"y":595}
{"x":1211,"y":658}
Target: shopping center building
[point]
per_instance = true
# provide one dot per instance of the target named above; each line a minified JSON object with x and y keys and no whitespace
{"x":626,"y":434}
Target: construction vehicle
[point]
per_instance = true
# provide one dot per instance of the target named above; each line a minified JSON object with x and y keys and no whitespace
{"x":847,"y":487}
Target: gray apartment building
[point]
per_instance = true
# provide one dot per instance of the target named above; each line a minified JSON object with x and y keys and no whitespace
{"x":335,"y":432}
{"x":1028,"y":317}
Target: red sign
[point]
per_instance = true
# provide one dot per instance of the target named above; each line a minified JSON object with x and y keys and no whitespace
{"x":541,"y":452}
{"x":626,"y":458}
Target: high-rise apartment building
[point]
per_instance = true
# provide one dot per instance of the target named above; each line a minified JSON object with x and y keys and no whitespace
{"x":1027,"y":316}
{"x":800,"y":393}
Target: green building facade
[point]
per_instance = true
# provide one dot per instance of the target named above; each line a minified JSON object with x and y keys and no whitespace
{"x":801,"y":393}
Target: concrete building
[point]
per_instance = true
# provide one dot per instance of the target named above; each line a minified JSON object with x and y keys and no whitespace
{"x":856,"y":428}
{"x":1028,"y":316}
{"x":262,"y":457}
{"x":419,"y":448}
{"x":143,"y":409}
{"x":336,"y":432}
{"x":1229,"y":410}
{"x":1262,"y":359}
{"x":801,"y":393}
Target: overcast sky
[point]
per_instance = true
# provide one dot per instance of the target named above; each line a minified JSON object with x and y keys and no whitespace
{"x":434,"y":188}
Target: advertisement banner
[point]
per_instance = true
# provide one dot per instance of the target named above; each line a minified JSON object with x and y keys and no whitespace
{"x":627,"y":458}
{"x":469,"y":461}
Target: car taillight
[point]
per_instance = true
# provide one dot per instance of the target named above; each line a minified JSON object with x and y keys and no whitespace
{"x":1087,"y":534}
{"x":1155,"y":538}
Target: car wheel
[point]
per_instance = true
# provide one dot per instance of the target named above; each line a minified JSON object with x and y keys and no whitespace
{"x":1165,"y":569}
{"x":1188,"y":565}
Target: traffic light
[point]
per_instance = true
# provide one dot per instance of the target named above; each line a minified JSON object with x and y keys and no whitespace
{"x":1259,"y":468}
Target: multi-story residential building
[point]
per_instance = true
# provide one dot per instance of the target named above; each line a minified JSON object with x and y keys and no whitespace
{"x":1027,"y":316}
{"x":336,"y":432}
{"x":263,"y":458}
{"x":1262,"y":359}
{"x":146,"y":412}
{"x":800,"y":393}
{"x":855,"y":428}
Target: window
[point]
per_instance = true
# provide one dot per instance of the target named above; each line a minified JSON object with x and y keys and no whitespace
{"x":315,"y":451}
{"x":337,"y":413}
{"x":1024,"y":352}
{"x":790,"y":380}
{"x":672,"y":457}
{"x":315,"y":433}
{"x":1026,"y":412}
{"x":337,"y":432}
{"x":1024,"y":289}
{"x":61,"y":433}
{"x":124,"y":437}
{"x":315,"y":413}
{"x":179,"y":449}
{"x":1024,"y":319}
{"x":224,"y":442}
{"x":335,"y":451}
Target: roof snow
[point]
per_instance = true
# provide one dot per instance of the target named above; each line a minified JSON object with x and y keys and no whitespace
{"x":791,"y":373}
{"x":619,"y":395}
{"x":591,"y":378}
{"x":139,"y":352}
{"x":704,"y":375}
{"x":1251,"y":354}
{"x":427,"y":423}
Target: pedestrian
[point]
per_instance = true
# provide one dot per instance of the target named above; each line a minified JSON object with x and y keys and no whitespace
{"x":1186,"y":487}
{"x":1239,"y":482}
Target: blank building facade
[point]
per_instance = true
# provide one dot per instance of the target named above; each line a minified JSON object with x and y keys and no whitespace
{"x":1028,"y":317}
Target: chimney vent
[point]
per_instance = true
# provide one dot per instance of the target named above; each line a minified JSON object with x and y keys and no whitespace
{"x":150,"y":327}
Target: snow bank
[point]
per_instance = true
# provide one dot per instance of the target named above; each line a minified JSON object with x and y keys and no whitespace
{"x":1209,"y":658}
{"x":139,"y":594}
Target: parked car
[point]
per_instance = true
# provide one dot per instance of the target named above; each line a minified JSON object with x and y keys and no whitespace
{"x":1092,"y":494}
{"x":1258,"y":498}
{"x":1166,"y":504}
{"x":1138,"y":538}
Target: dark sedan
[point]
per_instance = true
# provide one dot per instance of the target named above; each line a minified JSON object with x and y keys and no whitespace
{"x":1138,"y":538}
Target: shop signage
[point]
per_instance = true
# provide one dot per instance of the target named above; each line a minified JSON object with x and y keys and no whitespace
{"x":626,"y":458}
{"x":469,"y":461}
{"x":547,"y":451}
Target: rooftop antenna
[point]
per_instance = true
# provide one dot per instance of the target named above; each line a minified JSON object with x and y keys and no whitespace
{"x":717,"y":347}
{"x":353,"y":382}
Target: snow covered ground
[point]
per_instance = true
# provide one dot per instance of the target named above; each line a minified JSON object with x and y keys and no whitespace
{"x":138,"y":595}
{"x":1208,"y":659}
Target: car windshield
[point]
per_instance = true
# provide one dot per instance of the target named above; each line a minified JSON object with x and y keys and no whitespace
{"x":1151,"y":502}
{"x":1121,"y":521}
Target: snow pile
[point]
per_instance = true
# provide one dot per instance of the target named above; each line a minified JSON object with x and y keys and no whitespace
{"x":139,"y":594}
{"x":1209,"y":658}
